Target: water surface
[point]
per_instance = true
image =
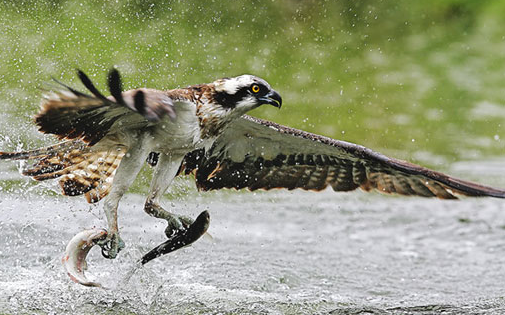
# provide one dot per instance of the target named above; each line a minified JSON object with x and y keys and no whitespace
{"x":422,"y":81}
{"x":271,"y":252}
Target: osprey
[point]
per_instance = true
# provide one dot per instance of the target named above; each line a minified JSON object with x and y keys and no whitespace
{"x":201,"y":130}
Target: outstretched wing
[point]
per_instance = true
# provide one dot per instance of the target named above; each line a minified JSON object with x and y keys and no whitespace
{"x":70,"y":114}
{"x":258,"y":154}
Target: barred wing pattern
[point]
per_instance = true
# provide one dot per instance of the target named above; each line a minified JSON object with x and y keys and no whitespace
{"x":258,"y":154}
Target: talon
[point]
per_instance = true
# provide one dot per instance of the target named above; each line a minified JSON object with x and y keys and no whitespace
{"x":105,"y":253}
{"x":186,"y":221}
{"x":181,"y":238}
{"x":177,"y":225}
{"x":111,"y":245}
{"x":76,"y":251}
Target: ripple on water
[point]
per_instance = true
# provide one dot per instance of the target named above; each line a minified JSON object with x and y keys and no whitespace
{"x":277,"y":252}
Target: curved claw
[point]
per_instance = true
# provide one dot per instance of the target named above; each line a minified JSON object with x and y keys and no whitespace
{"x":77,"y":249}
{"x":111,"y":245}
{"x":176,"y":225}
{"x":183,"y":238}
{"x":105,"y":251}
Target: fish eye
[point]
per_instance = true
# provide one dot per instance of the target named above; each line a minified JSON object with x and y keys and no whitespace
{"x":255,"y":88}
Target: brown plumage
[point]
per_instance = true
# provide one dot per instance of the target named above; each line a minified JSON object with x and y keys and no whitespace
{"x":80,"y":169}
{"x":258,"y":154}
{"x":207,"y":134}
{"x":296,"y":159}
{"x":93,"y":125}
{"x":70,"y":114}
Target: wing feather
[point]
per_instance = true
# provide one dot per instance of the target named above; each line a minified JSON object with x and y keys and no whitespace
{"x":73,"y":115}
{"x":258,"y":154}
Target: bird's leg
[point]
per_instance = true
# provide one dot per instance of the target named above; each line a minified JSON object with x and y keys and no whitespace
{"x":175,"y":222}
{"x":164,"y":173}
{"x":125,"y":175}
{"x":181,"y":231}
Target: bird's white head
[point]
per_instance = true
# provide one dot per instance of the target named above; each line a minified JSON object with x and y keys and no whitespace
{"x":244,"y":93}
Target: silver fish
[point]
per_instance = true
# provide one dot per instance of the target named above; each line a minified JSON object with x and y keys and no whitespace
{"x":77,"y":249}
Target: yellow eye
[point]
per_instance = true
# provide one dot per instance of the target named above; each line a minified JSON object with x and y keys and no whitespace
{"x":255,"y":88}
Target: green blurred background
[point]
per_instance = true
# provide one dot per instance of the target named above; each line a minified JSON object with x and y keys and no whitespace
{"x":419,"y":80}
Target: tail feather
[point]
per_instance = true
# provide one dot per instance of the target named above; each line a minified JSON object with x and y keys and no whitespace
{"x":61,"y":167}
{"x":93,"y":177}
{"x":55,"y":163}
{"x":82,"y":171}
{"x":105,"y":184}
{"x":43,"y":152}
{"x":96,"y":194}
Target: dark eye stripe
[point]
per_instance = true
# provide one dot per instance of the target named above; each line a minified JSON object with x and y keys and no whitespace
{"x":230,"y":100}
{"x":263,"y":89}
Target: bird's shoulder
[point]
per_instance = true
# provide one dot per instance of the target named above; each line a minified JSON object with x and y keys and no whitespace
{"x":197,"y":93}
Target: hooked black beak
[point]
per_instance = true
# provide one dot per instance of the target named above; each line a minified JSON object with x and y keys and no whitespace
{"x":273,"y":98}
